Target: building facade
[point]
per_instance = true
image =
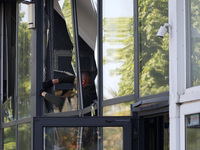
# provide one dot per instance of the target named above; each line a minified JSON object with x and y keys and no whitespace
{"x":146,"y":82}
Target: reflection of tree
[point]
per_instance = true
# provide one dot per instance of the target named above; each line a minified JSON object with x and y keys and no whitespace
{"x":24,"y":58}
{"x":112,"y":138}
{"x":154,"y":51}
{"x":154,"y":70}
{"x":119,"y":31}
{"x":195,"y":42}
{"x":9,"y":138}
{"x":68,"y":18}
{"x":24,"y":137}
{"x":192,"y":142}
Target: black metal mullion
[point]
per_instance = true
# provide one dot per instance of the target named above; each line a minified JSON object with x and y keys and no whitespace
{"x":76,"y":44}
{"x":51,"y":41}
{"x":1,"y":70}
{"x":100,"y":57}
{"x":38,"y":103}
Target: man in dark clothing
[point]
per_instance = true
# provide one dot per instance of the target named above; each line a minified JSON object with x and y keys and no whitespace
{"x":89,"y":91}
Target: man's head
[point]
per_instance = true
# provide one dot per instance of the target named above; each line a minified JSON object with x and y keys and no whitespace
{"x":86,"y":78}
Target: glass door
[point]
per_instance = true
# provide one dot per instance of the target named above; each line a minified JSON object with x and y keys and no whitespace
{"x":82,"y":133}
{"x":155,"y":133}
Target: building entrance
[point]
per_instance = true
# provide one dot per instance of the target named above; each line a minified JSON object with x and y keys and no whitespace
{"x":156,"y":133}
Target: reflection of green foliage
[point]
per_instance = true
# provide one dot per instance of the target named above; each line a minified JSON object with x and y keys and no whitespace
{"x":68,"y":18}
{"x":119,"y":31}
{"x":192,"y":138}
{"x":24,"y":63}
{"x":154,"y":70}
{"x":24,"y":137}
{"x":113,"y":138}
{"x":195,"y":43}
{"x":66,"y":10}
{"x":9,"y":138}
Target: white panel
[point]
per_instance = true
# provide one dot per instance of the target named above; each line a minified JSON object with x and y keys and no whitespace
{"x":87,"y":22}
{"x":176,"y":68}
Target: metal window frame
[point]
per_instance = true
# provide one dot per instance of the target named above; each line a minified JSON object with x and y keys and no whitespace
{"x":77,"y":50}
{"x":41,"y":122}
{"x":1,"y":68}
{"x":137,"y":98}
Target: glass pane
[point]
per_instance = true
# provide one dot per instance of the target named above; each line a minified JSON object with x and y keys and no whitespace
{"x":87,"y":33}
{"x":24,"y":137}
{"x":113,"y":138}
{"x":24,"y":62}
{"x":84,"y":138}
{"x":122,"y":109}
{"x":9,"y":138}
{"x":8,"y":110}
{"x":70,"y":138}
{"x":193,"y":43}
{"x":154,"y":51}
{"x":118,"y":48}
{"x":166,"y":132}
{"x":61,"y":97}
{"x":192,"y":132}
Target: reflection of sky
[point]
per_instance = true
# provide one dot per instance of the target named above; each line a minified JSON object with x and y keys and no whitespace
{"x":114,"y":8}
{"x":24,"y":8}
{"x":117,"y":8}
{"x":61,"y":2}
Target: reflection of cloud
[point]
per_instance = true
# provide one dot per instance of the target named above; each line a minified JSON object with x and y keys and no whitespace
{"x":117,"y":8}
{"x":110,"y":83}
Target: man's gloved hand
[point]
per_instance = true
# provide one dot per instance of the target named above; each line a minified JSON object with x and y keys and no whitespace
{"x":47,"y":84}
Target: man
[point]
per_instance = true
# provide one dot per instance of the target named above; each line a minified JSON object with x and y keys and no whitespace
{"x":89,"y":91}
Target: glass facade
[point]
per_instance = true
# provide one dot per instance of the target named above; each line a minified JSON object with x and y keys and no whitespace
{"x":192,"y":130}
{"x":193,"y":43}
{"x":154,"y":51}
{"x":118,"y":48}
{"x":61,"y":55}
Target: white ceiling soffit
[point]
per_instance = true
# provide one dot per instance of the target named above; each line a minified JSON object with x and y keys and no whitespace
{"x":58,"y":9}
{"x":87,"y":22}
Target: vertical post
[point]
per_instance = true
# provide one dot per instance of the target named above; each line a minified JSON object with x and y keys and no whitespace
{"x":37,"y":68}
{"x":76,"y":45}
{"x":1,"y":70}
{"x":100,"y":68}
{"x":51,"y":39}
{"x":37,"y":61}
{"x":176,"y":68}
{"x":136,"y":52}
{"x":100,"y":57}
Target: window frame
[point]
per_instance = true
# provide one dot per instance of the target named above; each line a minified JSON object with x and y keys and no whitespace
{"x":186,"y":109}
{"x":41,"y":122}
{"x":191,"y":93}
